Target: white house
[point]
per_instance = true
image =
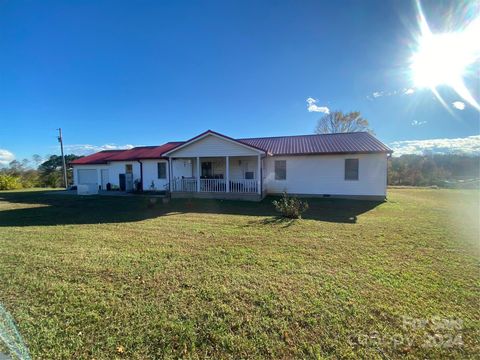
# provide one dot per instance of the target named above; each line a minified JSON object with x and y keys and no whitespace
{"x":212,"y":165}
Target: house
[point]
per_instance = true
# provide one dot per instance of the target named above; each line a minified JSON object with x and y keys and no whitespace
{"x":212,"y":165}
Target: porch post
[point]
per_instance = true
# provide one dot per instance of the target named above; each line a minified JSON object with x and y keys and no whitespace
{"x":227,"y":174}
{"x":259,"y":175}
{"x":170,"y":175}
{"x":198,"y":174}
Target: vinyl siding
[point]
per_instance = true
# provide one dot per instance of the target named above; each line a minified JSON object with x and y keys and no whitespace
{"x":150,"y":173}
{"x":325,"y":174}
{"x":212,"y":145}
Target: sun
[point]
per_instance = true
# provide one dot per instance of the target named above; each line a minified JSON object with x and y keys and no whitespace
{"x":443,"y":59}
{"x":440,"y":60}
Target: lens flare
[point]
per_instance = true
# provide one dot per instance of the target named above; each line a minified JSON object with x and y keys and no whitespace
{"x":443,"y":59}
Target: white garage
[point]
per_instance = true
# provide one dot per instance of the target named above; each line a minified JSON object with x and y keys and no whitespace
{"x":87,"y":176}
{"x":87,"y":181}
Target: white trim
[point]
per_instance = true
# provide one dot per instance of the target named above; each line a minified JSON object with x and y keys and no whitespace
{"x":198,"y":174}
{"x":209,"y":133}
{"x":227,"y":173}
{"x":259,"y":177}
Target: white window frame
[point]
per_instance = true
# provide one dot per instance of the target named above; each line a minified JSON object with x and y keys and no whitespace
{"x":345,"y":169}
{"x":277,"y":177}
{"x":158,"y":170}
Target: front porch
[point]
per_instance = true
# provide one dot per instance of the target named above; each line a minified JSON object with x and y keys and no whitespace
{"x":227,"y":177}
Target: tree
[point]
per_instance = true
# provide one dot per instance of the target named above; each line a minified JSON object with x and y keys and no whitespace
{"x":51,"y":170}
{"x":338,"y":122}
{"x":37,"y":159}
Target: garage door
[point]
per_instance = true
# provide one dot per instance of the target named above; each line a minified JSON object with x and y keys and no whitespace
{"x":87,"y":176}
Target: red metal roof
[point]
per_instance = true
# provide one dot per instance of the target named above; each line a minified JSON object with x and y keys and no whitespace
{"x":97,"y":158}
{"x":143,"y":152}
{"x":136,"y":153}
{"x":341,"y":143}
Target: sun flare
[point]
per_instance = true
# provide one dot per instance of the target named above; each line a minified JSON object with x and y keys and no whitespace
{"x":443,"y":59}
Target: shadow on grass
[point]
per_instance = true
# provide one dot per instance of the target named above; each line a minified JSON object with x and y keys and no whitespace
{"x":37,"y":208}
{"x":276,"y":220}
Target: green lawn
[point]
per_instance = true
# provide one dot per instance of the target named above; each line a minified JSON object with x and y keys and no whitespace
{"x":106,"y":277}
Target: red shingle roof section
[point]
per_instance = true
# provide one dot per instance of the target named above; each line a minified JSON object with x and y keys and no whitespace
{"x":137,"y":153}
{"x":342,"y":143}
{"x":158,"y":151}
{"x":97,"y":158}
{"x":143,"y":152}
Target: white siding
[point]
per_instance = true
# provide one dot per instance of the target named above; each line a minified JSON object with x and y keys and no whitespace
{"x":212,"y":145}
{"x":118,"y":167}
{"x":325,"y":174}
{"x":150,"y":173}
{"x":240,"y":165}
{"x":183,"y":168}
{"x":114,"y":170}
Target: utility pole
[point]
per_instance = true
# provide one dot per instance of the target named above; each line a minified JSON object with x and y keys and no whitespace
{"x":64,"y":167}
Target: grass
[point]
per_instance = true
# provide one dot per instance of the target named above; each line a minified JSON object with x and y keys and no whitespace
{"x":109,"y":277}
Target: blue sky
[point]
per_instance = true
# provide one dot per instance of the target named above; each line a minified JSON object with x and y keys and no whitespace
{"x":147,"y":72}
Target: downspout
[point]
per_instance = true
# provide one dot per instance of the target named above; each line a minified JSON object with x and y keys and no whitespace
{"x":141,"y":175}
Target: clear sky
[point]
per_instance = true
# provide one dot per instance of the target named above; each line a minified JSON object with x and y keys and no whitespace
{"x":146,"y":72}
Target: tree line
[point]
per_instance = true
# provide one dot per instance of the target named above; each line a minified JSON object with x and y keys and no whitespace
{"x":444,"y":170}
{"x":34,"y":172}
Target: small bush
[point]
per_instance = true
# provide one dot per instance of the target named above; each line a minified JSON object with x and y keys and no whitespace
{"x":8,"y":182}
{"x":290,"y":207}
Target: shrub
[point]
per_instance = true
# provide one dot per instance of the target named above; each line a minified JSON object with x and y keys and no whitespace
{"x":290,"y":207}
{"x":8,"y":182}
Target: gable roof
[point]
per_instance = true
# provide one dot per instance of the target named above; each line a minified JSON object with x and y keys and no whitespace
{"x":340,"y":143}
{"x":214,"y":133}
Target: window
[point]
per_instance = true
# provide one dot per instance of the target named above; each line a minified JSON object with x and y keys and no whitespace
{"x":280,"y":169}
{"x":162,"y":170}
{"x":249,"y":175}
{"x":129,"y":168}
{"x":351,"y":169}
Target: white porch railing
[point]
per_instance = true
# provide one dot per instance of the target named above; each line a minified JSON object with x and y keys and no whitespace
{"x":186,"y":185}
{"x":213,"y":185}
{"x":244,"y":186}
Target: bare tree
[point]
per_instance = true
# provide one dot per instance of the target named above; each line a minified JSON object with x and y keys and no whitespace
{"x":338,"y":122}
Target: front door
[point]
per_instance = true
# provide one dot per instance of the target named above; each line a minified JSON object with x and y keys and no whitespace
{"x":207,"y":170}
{"x":105,"y":179}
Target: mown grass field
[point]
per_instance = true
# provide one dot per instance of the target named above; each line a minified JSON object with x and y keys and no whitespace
{"x":109,"y":277}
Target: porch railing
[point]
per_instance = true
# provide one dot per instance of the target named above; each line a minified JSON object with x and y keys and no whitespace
{"x":215,"y":185}
{"x":212,"y":185}
{"x":186,"y":185}
{"x":244,"y":186}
